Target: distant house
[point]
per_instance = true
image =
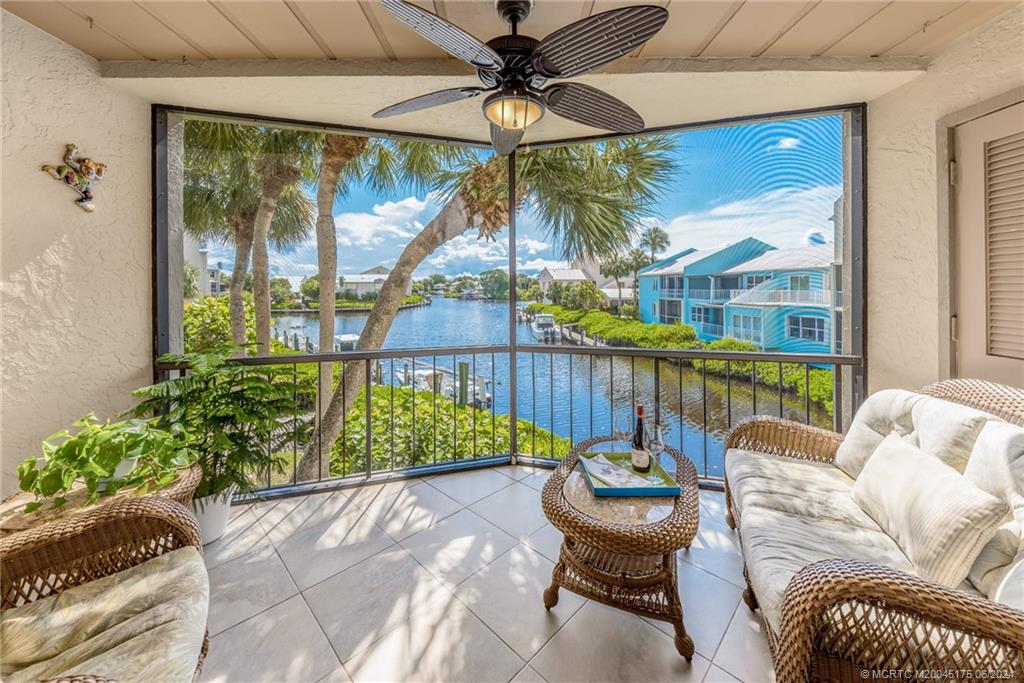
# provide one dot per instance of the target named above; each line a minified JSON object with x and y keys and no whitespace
{"x":688,"y":286}
{"x":779,"y":299}
{"x":369,"y":281}
{"x":787,"y":300}
{"x":566,"y":276}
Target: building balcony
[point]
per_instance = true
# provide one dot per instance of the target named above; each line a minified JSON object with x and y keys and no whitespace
{"x":713,"y":295}
{"x":710,"y":329}
{"x":780,"y":297}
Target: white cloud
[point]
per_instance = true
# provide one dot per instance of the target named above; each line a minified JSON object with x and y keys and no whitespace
{"x":387,"y":221}
{"x":531,"y":246}
{"x":783,"y":218}
{"x":785,"y":143}
{"x":538,"y":264}
{"x":463,"y":248}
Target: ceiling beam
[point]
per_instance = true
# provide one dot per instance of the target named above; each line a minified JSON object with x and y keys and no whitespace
{"x":283,"y":68}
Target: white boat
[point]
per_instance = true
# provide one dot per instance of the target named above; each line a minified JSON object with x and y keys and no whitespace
{"x":545,"y":329}
{"x":345,"y":342}
{"x":297,"y":326}
{"x":441,"y":382}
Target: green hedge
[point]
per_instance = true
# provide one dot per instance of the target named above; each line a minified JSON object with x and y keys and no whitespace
{"x":621,"y":332}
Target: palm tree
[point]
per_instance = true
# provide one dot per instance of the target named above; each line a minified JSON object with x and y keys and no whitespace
{"x":637,"y":260}
{"x":221,"y":198}
{"x":616,"y":267}
{"x":588,"y":197}
{"x":655,"y":239}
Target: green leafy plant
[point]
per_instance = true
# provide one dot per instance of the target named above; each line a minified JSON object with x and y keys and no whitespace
{"x":93,"y":453}
{"x":237,"y":416}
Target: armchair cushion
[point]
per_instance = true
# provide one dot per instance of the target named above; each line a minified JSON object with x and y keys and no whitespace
{"x":777,"y":545}
{"x":936,"y":515}
{"x":144,"y":623}
{"x":881,"y":414}
{"x":805,"y":487}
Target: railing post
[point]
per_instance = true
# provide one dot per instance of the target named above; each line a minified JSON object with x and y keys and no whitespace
{"x":513,"y":421}
{"x":369,"y":427}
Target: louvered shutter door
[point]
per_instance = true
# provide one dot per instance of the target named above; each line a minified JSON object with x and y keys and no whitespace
{"x":1004,"y":245}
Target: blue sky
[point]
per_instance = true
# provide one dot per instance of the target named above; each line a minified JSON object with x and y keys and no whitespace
{"x":776,"y":181}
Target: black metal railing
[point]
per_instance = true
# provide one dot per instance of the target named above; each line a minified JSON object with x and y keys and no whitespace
{"x":414,"y":411}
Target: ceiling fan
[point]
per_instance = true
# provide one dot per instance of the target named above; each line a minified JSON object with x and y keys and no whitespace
{"x":515,"y":68}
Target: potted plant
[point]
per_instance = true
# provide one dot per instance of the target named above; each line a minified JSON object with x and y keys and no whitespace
{"x":237,"y":417}
{"x":106,"y":456}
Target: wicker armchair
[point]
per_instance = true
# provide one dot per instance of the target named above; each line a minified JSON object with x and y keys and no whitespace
{"x":844,"y":619}
{"x":73,"y":551}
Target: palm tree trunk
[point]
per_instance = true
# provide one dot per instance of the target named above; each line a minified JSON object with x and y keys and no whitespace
{"x":242,"y":230}
{"x":452,"y":220}
{"x":618,"y":304}
{"x":272,"y":188}
{"x":338,"y":152}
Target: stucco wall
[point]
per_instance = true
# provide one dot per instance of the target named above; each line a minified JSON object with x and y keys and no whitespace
{"x":75,"y":334}
{"x":907,"y":251}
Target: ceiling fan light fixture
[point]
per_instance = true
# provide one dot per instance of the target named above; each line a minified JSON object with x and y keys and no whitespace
{"x":513,"y":108}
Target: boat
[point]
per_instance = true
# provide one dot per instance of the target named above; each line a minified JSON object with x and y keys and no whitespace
{"x":345,"y":342}
{"x":441,"y":381}
{"x":545,"y":329}
{"x":297,"y":326}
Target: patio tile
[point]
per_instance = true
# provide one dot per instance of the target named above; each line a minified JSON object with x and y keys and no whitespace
{"x":716,"y":675}
{"x":547,"y":541}
{"x":528,"y":675}
{"x":744,"y":650}
{"x":708,"y":606}
{"x":517,"y":472}
{"x":243,"y":536}
{"x":712,"y":507}
{"x":469,"y":487}
{"x":339,"y":675}
{"x":601,"y":643}
{"x":457,"y":546}
{"x":282,"y":519}
{"x":283,"y":643}
{"x":537,"y":478}
{"x":455,"y":646}
{"x":515,"y":509}
{"x":717,"y":549}
{"x":402,"y":508}
{"x":313,"y":553}
{"x":357,"y":606}
{"x":245,"y":586}
{"x":507,"y":596}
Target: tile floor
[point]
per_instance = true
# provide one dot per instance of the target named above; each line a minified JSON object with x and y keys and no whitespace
{"x":440,"y":579}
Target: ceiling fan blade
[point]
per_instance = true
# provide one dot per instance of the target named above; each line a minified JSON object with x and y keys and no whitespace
{"x":592,"y":42}
{"x":505,"y":140}
{"x":445,"y":35}
{"x":592,"y":107}
{"x":429,"y":100}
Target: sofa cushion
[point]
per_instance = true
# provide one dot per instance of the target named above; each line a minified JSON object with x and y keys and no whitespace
{"x":1010,"y":590}
{"x":938,"y":517}
{"x":996,"y":465}
{"x":146,"y":623}
{"x":815,"y":489}
{"x":777,"y":545}
{"x":881,"y":413}
{"x":947,"y":430}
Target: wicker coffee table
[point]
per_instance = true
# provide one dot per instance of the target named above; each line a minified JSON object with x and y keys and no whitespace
{"x":622,"y":551}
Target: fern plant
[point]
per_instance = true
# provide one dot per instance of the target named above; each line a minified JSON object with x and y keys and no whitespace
{"x":238,"y":417}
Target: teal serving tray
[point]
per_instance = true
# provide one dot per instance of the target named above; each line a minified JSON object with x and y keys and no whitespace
{"x":665,"y":486}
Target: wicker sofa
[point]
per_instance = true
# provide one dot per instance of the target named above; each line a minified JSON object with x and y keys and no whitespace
{"x":120,"y":593}
{"x":838,"y":597}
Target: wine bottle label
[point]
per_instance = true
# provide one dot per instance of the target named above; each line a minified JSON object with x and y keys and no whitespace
{"x":641,"y":459}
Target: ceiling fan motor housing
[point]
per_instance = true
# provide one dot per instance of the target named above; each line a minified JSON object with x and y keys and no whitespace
{"x":513,"y":11}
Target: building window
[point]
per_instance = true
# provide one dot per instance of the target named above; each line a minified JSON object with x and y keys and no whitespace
{"x":755,"y":280}
{"x":699,"y":314}
{"x":746,"y":327}
{"x":654,"y":311}
{"x":802,"y":327}
{"x":800,"y":282}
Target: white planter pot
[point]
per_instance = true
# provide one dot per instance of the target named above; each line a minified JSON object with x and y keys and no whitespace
{"x":213,"y":513}
{"x":123,"y":469}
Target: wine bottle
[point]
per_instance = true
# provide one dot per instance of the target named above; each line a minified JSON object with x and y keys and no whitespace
{"x":639,"y":455}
